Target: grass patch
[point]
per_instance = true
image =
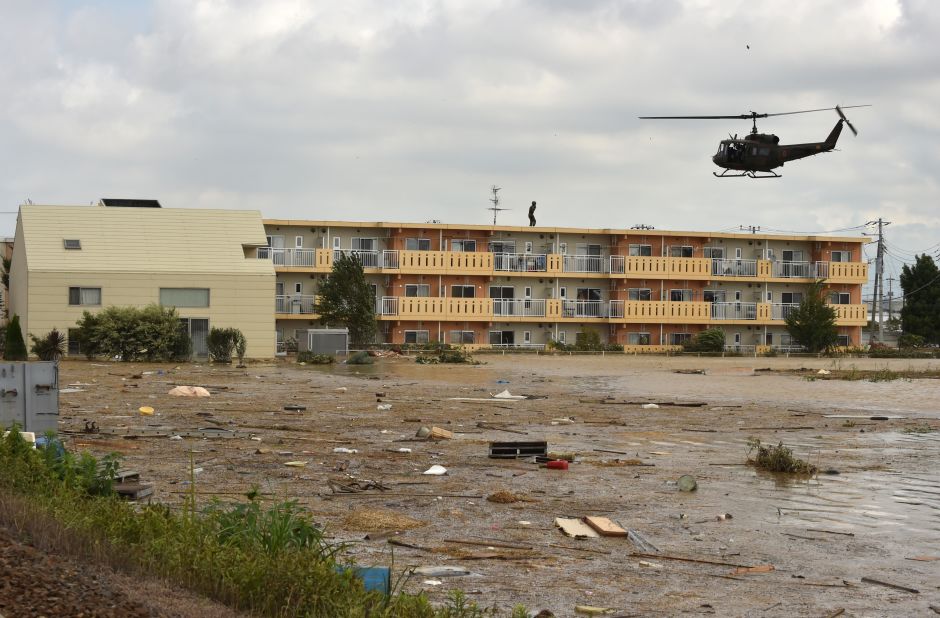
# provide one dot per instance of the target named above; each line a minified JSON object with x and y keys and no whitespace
{"x":310,"y":358}
{"x":265,"y":559}
{"x":455,"y":356}
{"x":777,"y":458}
{"x":925,"y":428}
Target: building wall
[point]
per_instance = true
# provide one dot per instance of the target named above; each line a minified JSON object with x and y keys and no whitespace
{"x":240,"y":301}
{"x":18,"y":302}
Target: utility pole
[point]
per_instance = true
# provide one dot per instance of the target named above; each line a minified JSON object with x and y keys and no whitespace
{"x":877,"y":301}
{"x":753,"y":229}
{"x":890,"y":297}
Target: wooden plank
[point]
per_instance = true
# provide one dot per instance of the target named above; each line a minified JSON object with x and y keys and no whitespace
{"x":440,"y":434}
{"x":605,"y":526}
{"x":575,"y":528}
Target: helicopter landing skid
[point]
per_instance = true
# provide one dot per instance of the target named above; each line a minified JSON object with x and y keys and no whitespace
{"x":767,"y":175}
{"x":725,"y":174}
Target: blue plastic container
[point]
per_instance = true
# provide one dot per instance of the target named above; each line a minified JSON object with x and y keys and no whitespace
{"x":373,"y":578}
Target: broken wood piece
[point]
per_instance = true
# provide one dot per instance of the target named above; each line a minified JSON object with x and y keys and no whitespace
{"x":637,"y":554}
{"x":830,"y":532}
{"x":575,"y":528}
{"x":924,"y":558}
{"x":440,"y":434}
{"x":870,"y":580}
{"x":761,"y":568}
{"x":593,"y":551}
{"x":512,"y":450}
{"x":604,"y":526}
{"x":399,"y":543}
{"x":836,"y":612}
{"x":489,"y":544}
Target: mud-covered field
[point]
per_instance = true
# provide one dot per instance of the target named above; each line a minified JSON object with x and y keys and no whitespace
{"x":875,"y":514}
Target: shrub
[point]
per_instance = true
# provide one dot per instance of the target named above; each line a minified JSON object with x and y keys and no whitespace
{"x":910,"y":341}
{"x":152,"y":333}
{"x":315,"y":359}
{"x":709,"y":340}
{"x":14,"y":348}
{"x":777,"y":459}
{"x":49,"y":347}
{"x":224,"y":342}
{"x":359,"y":358}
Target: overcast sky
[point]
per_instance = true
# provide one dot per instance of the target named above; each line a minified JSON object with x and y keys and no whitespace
{"x":411,"y":110}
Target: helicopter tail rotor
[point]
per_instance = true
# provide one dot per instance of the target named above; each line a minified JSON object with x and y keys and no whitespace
{"x":846,"y":120}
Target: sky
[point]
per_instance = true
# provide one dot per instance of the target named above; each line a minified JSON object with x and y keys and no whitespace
{"x":412,"y":110}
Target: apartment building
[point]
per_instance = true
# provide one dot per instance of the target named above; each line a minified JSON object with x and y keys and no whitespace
{"x":505,"y":286}
{"x":70,"y":259}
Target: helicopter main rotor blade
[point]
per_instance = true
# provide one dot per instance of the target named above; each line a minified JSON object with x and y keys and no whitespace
{"x":821,"y":109}
{"x":739,"y":117}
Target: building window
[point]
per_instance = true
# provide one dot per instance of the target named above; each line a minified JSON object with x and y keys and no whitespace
{"x":75,"y":348}
{"x":638,"y":338}
{"x":679,"y":338}
{"x":526,"y":337}
{"x":416,"y":336}
{"x":639,"y":294}
{"x":299,"y":242}
{"x":842,"y":341}
{"x":563,"y":248}
{"x":503,"y":246}
{"x":502,"y":337}
{"x":588,"y":249}
{"x":85,"y":296}
{"x":680,"y":251}
{"x":678,"y":296}
{"x":417,"y":290}
{"x":298,"y":288}
{"x":841,"y":256}
{"x":769,"y":339}
{"x":72,"y":243}
{"x":640,"y":250}
{"x":791,"y":298}
{"x":839,"y":298}
{"x":463,"y":245}
{"x":562,"y":336}
{"x":463,"y":291}
{"x":462,"y":337}
{"x":713,"y":296}
{"x":715,"y":253}
{"x":417,"y":244}
{"x":184,"y":297}
{"x":794,"y":255}
{"x":363,"y":244}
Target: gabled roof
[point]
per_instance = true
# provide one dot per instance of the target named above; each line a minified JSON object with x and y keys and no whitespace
{"x":147,"y":240}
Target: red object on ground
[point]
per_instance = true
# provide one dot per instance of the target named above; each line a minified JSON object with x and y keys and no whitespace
{"x":559,"y":464}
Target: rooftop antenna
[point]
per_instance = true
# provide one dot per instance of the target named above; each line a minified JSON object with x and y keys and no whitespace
{"x":495,"y":199}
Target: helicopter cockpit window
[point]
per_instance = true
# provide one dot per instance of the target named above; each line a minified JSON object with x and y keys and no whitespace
{"x":764,"y":151}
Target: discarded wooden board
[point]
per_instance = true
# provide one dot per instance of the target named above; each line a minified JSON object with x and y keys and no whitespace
{"x":575,"y":528}
{"x":760,"y":568}
{"x":878,"y":582}
{"x":440,"y":434}
{"x":924,"y":558}
{"x":133,"y":491}
{"x":590,"y":610}
{"x":512,"y":450}
{"x":604,"y":526}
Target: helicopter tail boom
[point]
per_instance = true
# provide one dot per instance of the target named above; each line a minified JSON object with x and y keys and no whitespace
{"x":830,"y":142}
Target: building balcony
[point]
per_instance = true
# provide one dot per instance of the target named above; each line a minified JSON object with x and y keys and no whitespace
{"x":295,"y":305}
{"x":526,"y":307}
{"x":320,"y":259}
{"x":520,"y":262}
{"x":586,"y":264}
{"x":688,"y":312}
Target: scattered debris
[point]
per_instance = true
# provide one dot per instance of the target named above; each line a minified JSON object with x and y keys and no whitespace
{"x":512,"y":450}
{"x":341,"y":389}
{"x":590,"y":610}
{"x":687,"y":482}
{"x":189,"y":391}
{"x":823,"y":372}
{"x":423,"y":432}
{"x":557,"y":464}
{"x":604,"y":526}
{"x":505,"y":394}
{"x":295,"y":464}
{"x":637,"y":539}
{"x":878,"y":582}
{"x":441,"y":571}
{"x":382,"y":407}
{"x":436,"y":470}
{"x":432,"y":582}
{"x":380,"y":520}
{"x":440,"y":434}
{"x":650,"y":406}
{"x":563,"y":420}
{"x":295,"y":408}
{"x":503,"y":497}
{"x":145,"y":410}
{"x":344,"y":450}
{"x":575,"y":528}
{"x":761,"y":568}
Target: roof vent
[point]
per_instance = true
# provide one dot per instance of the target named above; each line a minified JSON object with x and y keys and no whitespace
{"x":72,"y":243}
{"x":129,"y":203}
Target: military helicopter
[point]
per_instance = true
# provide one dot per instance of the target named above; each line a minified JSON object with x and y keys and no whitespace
{"x":757,"y":154}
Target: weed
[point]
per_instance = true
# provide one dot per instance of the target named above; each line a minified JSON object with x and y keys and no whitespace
{"x":925,"y":428}
{"x":359,"y":358}
{"x":777,"y":458}
{"x":315,"y":359}
{"x":848,"y":423}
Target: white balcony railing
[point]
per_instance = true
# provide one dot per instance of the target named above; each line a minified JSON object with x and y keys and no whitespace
{"x":295,"y":303}
{"x":780,"y":311}
{"x":288,"y":257}
{"x":519,"y":262}
{"x":389,"y":259}
{"x":616,"y":308}
{"x":793,"y":270}
{"x":387,"y":305}
{"x":525,"y":307}
{"x":617,"y":263}
{"x":585,"y":264}
{"x":822,"y":270}
{"x":734,"y":311}
{"x":369,"y":259}
{"x":584,"y":309}
{"x":734,"y":268}
{"x":518,"y":346}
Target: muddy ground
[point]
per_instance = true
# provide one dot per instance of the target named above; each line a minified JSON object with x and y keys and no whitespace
{"x":879,"y":517}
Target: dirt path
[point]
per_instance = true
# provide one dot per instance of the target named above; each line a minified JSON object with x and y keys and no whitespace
{"x":822,"y":534}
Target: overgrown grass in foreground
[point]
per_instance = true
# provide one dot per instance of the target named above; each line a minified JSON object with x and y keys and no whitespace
{"x":272,"y":562}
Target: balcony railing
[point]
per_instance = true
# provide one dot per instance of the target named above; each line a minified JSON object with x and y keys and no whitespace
{"x":794,"y":270}
{"x":389,"y":259}
{"x":387,"y":305}
{"x":617,"y":265}
{"x":525,"y":307}
{"x":517,"y":346}
{"x":584,"y":309}
{"x":780,"y":311}
{"x":734,"y":268}
{"x":369,"y":259}
{"x":585,"y":264}
{"x":295,"y":303}
{"x":288,"y":257}
{"x":734,"y":311}
{"x":519,"y":262}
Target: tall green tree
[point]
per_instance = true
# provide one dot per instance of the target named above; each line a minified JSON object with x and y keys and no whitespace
{"x":345,"y":298}
{"x":921,"y":312}
{"x":813,"y":323}
{"x":15,"y":346}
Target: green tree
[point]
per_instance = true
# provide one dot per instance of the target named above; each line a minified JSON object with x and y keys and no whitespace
{"x":49,"y":347}
{"x":152,"y":333}
{"x":709,"y":340}
{"x":223,"y":343}
{"x":345,"y":298}
{"x":5,"y":265}
{"x":15,"y":347}
{"x":813,"y":323}
{"x":921,"y":312}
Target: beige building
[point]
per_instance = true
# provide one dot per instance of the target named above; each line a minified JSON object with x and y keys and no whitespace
{"x":71,"y":259}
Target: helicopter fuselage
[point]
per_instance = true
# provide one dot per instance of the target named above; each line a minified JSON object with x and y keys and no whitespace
{"x":762,"y":152}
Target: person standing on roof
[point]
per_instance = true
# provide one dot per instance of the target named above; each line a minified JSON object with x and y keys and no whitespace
{"x":532,"y":215}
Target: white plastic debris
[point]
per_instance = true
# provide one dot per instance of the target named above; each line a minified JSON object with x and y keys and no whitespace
{"x":343,"y":449}
{"x":507,"y":395}
{"x":432,"y":582}
{"x":650,"y":406}
{"x":436,"y":470}
{"x":341,"y":389}
{"x":176,"y":437}
{"x":383,"y":406}
{"x":189,"y":391}
{"x":441,"y":571}
{"x":823,"y":372}
{"x":404,"y":450}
